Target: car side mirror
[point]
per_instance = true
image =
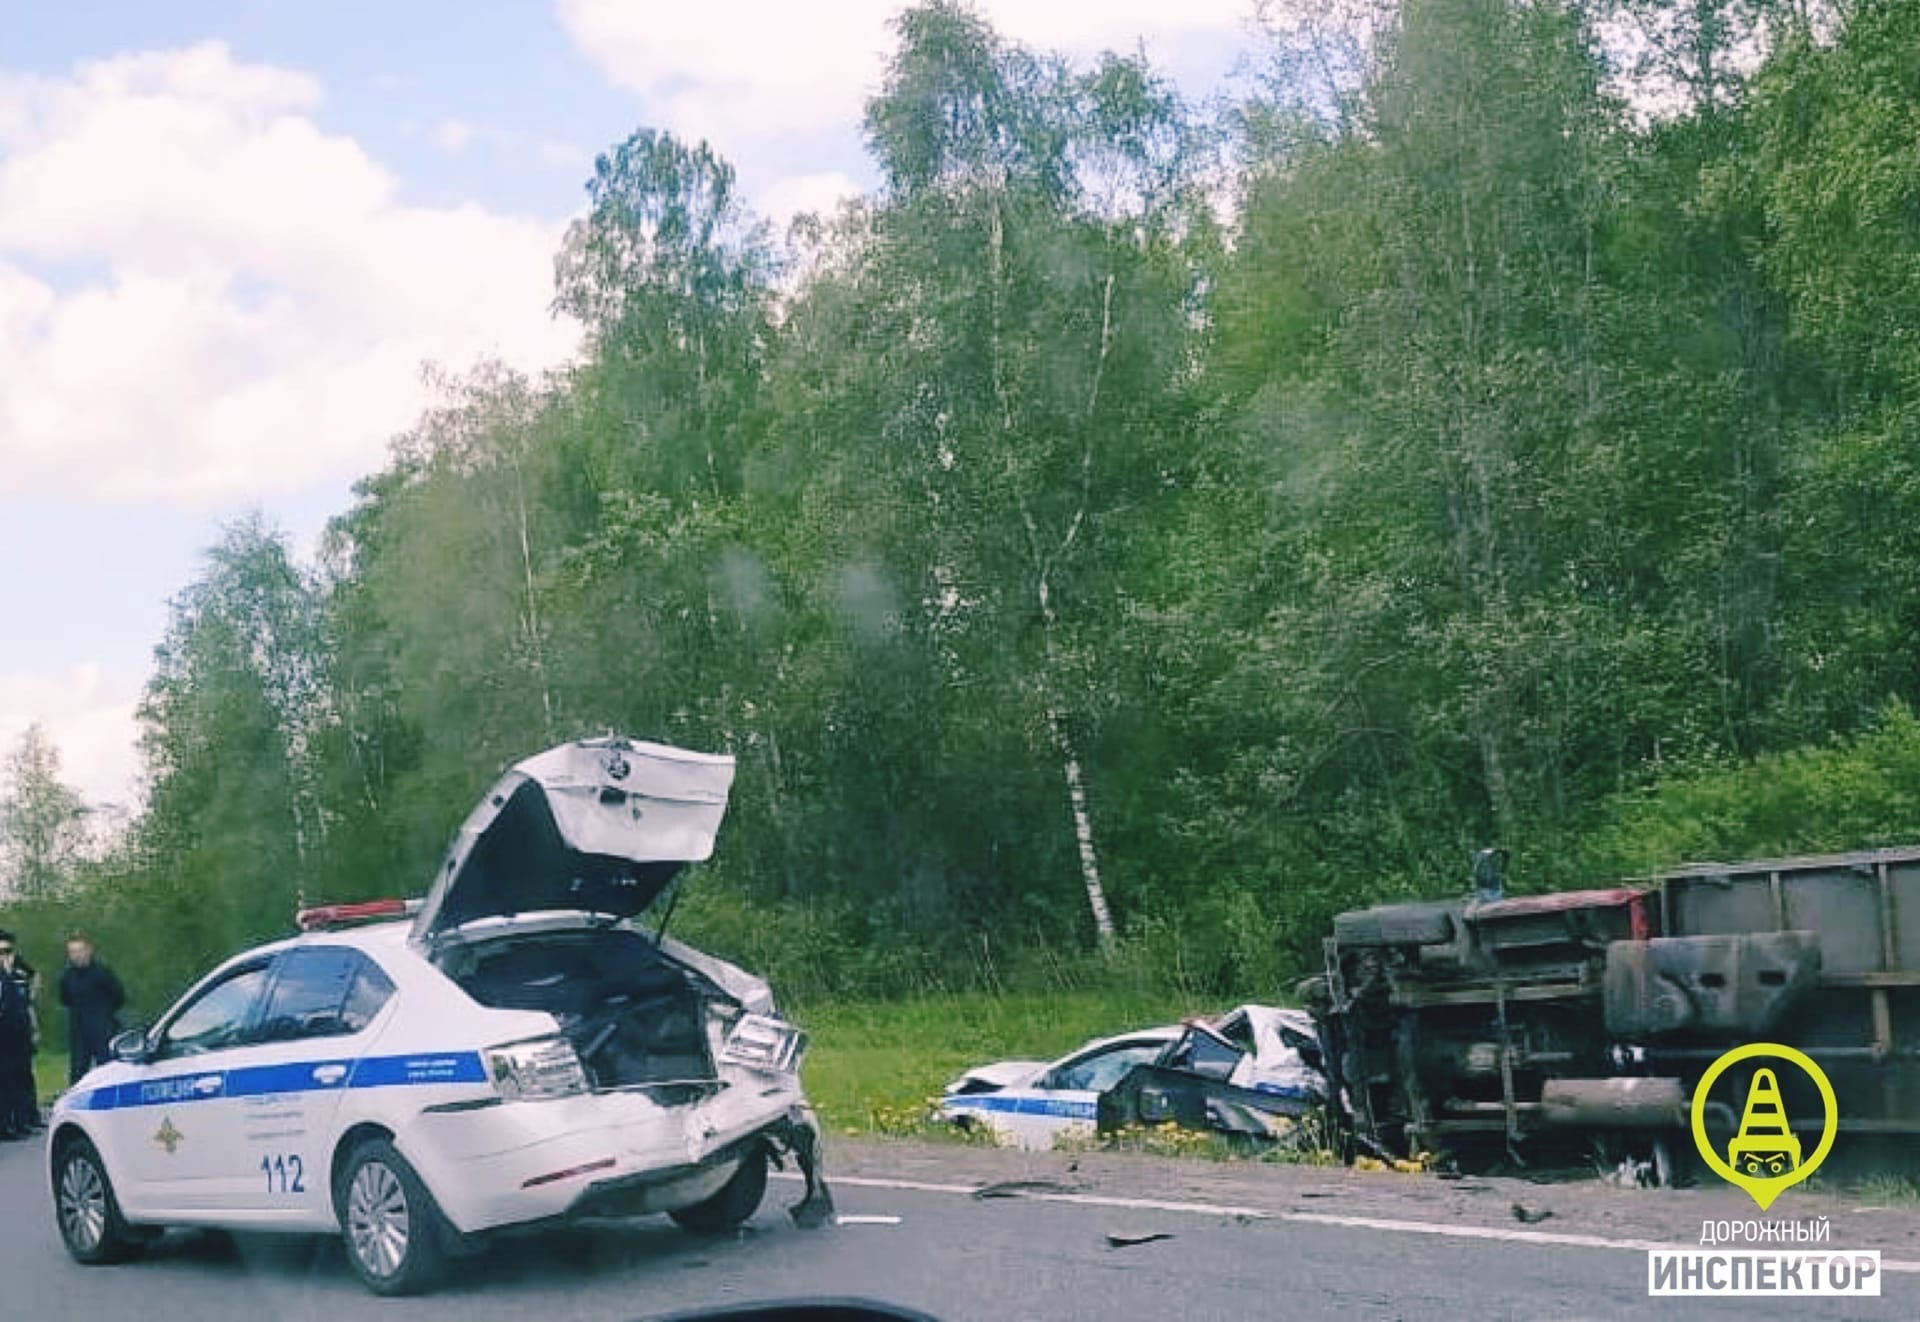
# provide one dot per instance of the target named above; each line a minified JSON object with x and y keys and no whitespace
{"x":130,"y":1046}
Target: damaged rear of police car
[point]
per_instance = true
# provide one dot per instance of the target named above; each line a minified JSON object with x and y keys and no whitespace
{"x":514,"y":1050}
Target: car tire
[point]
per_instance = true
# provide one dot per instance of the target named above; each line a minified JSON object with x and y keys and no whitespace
{"x":87,"y":1210}
{"x":392,"y":1229}
{"x":733,"y":1204}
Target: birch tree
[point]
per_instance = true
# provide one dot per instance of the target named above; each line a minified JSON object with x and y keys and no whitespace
{"x":43,"y":821}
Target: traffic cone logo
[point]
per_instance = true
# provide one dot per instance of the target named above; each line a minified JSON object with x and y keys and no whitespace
{"x":1765,"y":1146}
{"x":1764,"y":1158}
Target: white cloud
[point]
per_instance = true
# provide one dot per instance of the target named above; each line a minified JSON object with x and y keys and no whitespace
{"x":267,"y":297}
{"x":89,"y":718}
{"x":452,"y":135}
{"x":806,"y":192}
{"x":564,"y":155}
{"x":734,"y":69}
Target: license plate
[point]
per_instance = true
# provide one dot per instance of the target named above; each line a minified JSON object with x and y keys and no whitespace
{"x":760,"y":1043}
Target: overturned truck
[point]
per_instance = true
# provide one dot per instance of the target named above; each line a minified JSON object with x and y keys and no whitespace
{"x":1530,"y":1026}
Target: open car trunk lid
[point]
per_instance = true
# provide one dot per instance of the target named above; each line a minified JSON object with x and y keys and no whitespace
{"x":598,"y":826}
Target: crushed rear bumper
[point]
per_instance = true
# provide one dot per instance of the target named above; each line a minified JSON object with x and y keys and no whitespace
{"x":642,"y":1193}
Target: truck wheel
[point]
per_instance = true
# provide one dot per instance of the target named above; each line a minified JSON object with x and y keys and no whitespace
{"x":90,"y":1222}
{"x":733,"y":1204}
{"x":389,"y":1222}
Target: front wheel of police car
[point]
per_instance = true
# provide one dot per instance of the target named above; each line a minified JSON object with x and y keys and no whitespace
{"x":90,"y":1222}
{"x":389,"y":1222}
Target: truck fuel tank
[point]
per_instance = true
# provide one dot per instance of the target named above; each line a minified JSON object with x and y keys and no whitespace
{"x":1720,"y":986}
{"x":1623,"y":1103}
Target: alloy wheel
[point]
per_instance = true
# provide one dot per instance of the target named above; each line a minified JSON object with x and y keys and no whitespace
{"x":379,"y":1224}
{"x":83,"y":1203}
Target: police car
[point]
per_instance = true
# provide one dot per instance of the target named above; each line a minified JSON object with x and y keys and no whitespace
{"x":1038,"y":1104}
{"x":515,"y":1049}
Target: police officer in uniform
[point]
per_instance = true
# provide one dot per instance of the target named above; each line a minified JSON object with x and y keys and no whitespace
{"x":19,"y":1106}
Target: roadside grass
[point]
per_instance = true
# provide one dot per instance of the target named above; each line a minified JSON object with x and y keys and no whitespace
{"x":875,"y":1066}
{"x":50,"y":1074}
{"x":1888,"y":1191}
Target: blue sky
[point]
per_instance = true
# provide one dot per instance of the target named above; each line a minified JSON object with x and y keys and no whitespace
{"x":231,"y":231}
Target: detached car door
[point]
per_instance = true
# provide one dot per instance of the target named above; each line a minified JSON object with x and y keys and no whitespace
{"x":172,"y":1127}
{"x":284,"y":1088}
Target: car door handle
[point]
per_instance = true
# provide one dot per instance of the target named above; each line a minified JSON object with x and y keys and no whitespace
{"x":329,"y":1074}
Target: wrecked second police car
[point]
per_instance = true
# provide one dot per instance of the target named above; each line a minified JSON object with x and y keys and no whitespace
{"x":513,"y":1050}
{"x":1251,"y":1072}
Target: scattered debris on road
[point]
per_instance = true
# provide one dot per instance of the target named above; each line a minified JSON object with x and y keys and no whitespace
{"x":1527,"y":1217}
{"x":1404,"y":1166}
{"x":1632,"y":1174}
{"x":1021,"y":1188}
{"x":1119,"y":1239}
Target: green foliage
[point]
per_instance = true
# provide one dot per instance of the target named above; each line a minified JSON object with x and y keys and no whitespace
{"x":1511,"y":466}
{"x":1852,"y":794}
{"x":872,"y":1062}
{"x":42,"y":821}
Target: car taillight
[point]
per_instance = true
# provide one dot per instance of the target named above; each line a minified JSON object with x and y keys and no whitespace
{"x":544,"y":1068}
{"x":763,"y":1043}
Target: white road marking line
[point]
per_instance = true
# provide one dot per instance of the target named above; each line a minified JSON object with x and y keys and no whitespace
{"x":858,"y":1182}
{"x":1310,"y":1218}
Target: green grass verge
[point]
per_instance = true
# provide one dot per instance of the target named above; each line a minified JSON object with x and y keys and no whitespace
{"x":50,"y":1074}
{"x":873,"y":1065}
{"x":1889,"y":1191}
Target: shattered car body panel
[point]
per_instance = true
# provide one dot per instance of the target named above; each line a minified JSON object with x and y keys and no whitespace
{"x":1236,"y":1073}
{"x":992,"y":1078}
{"x":1281,"y":1052}
{"x":1156,"y":1095}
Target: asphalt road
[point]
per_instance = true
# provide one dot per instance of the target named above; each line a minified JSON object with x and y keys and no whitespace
{"x":951,"y":1254}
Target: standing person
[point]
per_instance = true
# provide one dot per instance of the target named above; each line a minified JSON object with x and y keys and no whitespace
{"x":19,"y":1106}
{"x":93,"y":997}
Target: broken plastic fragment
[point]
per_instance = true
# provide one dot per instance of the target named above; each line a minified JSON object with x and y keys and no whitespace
{"x":1018,"y":1188}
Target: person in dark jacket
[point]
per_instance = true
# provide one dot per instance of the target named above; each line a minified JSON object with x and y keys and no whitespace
{"x":93,"y":997}
{"x":19,"y":1104}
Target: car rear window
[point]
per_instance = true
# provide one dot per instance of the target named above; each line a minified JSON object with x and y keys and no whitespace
{"x":323,"y":991}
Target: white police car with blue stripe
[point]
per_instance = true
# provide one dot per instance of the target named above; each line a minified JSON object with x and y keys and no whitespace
{"x":513,"y":1050}
{"x":1040,"y":1104}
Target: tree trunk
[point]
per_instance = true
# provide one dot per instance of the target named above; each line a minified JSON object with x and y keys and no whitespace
{"x":535,"y":648}
{"x":1082,"y":829}
{"x":1043,"y":561}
